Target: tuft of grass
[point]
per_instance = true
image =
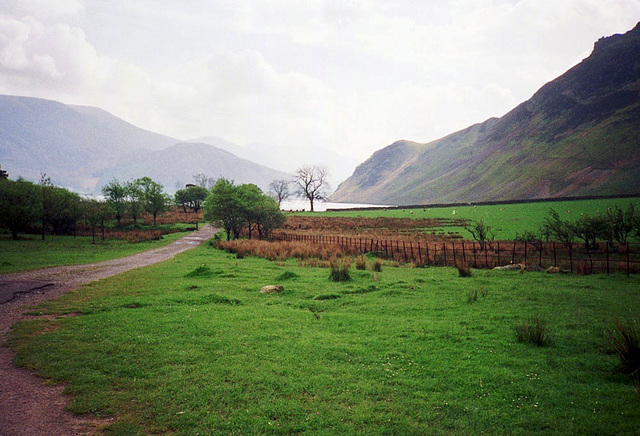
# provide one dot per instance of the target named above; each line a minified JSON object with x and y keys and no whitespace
{"x":287,"y":275}
{"x":361,"y":263}
{"x":534,"y":330}
{"x":201,"y":271}
{"x":464,"y":270}
{"x":327,"y":297}
{"x":624,"y":339}
{"x":340,"y":270}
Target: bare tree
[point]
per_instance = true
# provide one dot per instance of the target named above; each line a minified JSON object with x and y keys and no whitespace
{"x":203,"y":180}
{"x":311,"y":183}
{"x":279,"y":190}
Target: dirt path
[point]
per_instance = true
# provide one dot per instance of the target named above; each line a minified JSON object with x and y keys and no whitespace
{"x":27,"y":406}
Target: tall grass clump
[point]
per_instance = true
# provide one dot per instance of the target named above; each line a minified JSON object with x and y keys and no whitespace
{"x":624,"y":339}
{"x":463,"y":269}
{"x":361,"y":263}
{"x":534,"y":330}
{"x":340,"y":270}
{"x":377,"y":265}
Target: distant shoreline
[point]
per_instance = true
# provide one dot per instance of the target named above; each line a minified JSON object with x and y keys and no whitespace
{"x":485,"y":203}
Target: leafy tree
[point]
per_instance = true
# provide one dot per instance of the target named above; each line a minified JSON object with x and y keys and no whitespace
{"x":267,"y":216}
{"x":95,"y":212}
{"x":224,"y":207}
{"x":19,"y":206}
{"x":556,"y":228}
{"x":311,"y":183}
{"x":116,"y":194}
{"x":134,"y":198}
{"x":623,"y":222}
{"x":481,"y":232}
{"x":191,"y":197}
{"x":250,"y":196}
{"x":244,"y":206}
{"x":63,"y":210}
{"x":155,"y":201}
{"x":279,"y":190}
{"x":590,"y":228}
{"x":3,"y":174}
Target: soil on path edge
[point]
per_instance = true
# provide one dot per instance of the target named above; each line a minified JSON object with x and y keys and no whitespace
{"x":27,"y":405}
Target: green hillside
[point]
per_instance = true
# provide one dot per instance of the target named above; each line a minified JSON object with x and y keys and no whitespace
{"x":578,"y":135}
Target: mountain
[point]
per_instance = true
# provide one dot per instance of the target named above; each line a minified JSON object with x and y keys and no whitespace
{"x":288,"y":159}
{"x":578,"y":135}
{"x":82,"y":148}
{"x":175,"y":166}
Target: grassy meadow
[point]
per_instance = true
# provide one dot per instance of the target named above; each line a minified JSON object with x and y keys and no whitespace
{"x":31,"y":252}
{"x":507,"y":220}
{"x":190,"y":346}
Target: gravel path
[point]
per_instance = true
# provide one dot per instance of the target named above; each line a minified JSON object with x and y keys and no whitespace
{"x":27,"y":406}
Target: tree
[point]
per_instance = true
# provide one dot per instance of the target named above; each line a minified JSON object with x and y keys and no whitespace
{"x":267,"y":216}
{"x":155,"y":201}
{"x":115,"y":193}
{"x":134,"y":196}
{"x":561,"y":231}
{"x":590,"y":228}
{"x":95,"y":212}
{"x":622,"y":222}
{"x":203,"y":180}
{"x":63,"y":210}
{"x":3,"y":174}
{"x":250,"y":196}
{"x":19,"y":206}
{"x":481,"y":232}
{"x":311,"y":183}
{"x":224,"y":207}
{"x":191,"y":197}
{"x":279,"y":190}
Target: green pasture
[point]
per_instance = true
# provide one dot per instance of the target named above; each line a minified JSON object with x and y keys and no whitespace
{"x":507,"y":220}
{"x":190,"y":346}
{"x":31,"y":252}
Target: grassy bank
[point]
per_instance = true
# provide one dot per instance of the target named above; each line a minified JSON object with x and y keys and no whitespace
{"x":31,"y":252}
{"x":190,"y":346}
{"x":507,"y":220}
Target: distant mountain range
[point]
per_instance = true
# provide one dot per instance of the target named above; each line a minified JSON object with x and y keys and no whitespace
{"x":578,"y":135}
{"x":83,"y":148}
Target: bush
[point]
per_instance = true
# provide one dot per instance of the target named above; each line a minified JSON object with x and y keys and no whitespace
{"x":377,"y":265}
{"x":340,"y":270}
{"x":534,"y":330}
{"x":624,"y":338}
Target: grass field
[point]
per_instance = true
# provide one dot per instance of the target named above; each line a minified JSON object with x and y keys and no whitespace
{"x":31,"y":252}
{"x":189,"y":346}
{"x":507,"y":220}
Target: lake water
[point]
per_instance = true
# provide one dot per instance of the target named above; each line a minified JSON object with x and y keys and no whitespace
{"x":320,"y":206}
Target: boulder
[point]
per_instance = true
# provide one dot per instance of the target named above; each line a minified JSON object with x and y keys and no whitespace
{"x":271,"y":289}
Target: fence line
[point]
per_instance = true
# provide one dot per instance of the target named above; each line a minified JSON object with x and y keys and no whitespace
{"x":605,"y":257}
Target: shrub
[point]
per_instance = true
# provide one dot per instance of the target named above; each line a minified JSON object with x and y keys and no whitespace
{"x":534,"y":330}
{"x":340,"y":270}
{"x":463,"y":269}
{"x":624,"y":338}
{"x":361,"y":262}
{"x":472,"y":296}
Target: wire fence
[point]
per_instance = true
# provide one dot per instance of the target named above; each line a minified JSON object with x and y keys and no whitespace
{"x":603,"y":257}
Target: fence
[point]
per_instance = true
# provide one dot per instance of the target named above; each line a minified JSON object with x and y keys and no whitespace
{"x":605,"y":257}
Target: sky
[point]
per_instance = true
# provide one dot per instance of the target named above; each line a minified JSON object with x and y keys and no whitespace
{"x":352,"y":76}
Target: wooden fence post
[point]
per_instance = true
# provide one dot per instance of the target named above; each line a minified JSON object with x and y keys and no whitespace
{"x":607,"y":250}
{"x":628,"y":264}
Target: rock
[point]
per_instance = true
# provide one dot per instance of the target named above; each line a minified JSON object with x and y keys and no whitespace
{"x":556,"y":270}
{"x":271,"y":289}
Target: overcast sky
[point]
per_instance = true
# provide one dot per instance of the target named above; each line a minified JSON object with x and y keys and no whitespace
{"x":349,"y":75}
